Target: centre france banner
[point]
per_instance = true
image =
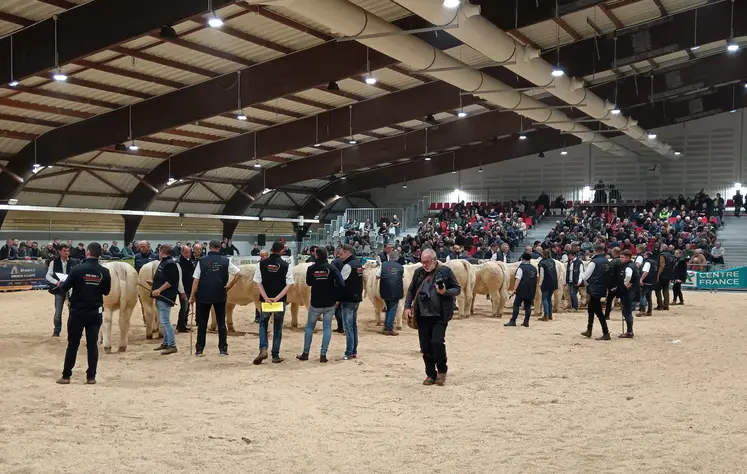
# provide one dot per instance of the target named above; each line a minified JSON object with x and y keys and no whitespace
{"x":22,"y":275}
{"x":731,"y":279}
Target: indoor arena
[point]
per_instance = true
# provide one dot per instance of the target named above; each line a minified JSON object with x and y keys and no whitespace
{"x":388,"y":236}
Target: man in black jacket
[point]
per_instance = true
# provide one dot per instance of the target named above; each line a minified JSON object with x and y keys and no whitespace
{"x":326,"y":285}
{"x":666,"y":274}
{"x":680,"y":276}
{"x":429,"y":305}
{"x":352,"y":273}
{"x":391,"y":276}
{"x":573,"y":275}
{"x":596,"y":276}
{"x":274,"y":278}
{"x":78,"y":253}
{"x":525,"y":289}
{"x":165,"y":289}
{"x":627,"y":282}
{"x":145,"y":255}
{"x":337,"y":262}
{"x":61,"y":265}
{"x":89,"y":283}
{"x":615,"y":266}
{"x":187,"y":270}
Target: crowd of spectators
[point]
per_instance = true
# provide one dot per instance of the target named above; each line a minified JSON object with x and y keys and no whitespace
{"x":689,"y":225}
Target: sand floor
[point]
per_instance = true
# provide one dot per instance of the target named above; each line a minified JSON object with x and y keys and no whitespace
{"x":542,"y":399}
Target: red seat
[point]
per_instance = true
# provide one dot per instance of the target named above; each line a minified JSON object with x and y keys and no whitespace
{"x":432,"y":206}
{"x":704,"y":220}
{"x":569,"y":203}
{"x":444,"y":226}
{"x":484,"y":204}
{"x":439,"y":205}
{"x":474,"y":203}
{"x":540,"y":208}
{"x":474,"y":240}
{"x":672,"y":220}
{"x":528,"y":221}
{"x":447,"y":205}
{"x":453,"y":204}
{"x":714,"y":220}
{"x":730,"y":203}
{"x":586,"y":202}
{"x":638,"y":229}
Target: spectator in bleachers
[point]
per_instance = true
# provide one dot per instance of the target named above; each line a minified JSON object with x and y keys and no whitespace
{"x":48,"y":253}
{"x":717,"y":254}
{"x":738,"y":203}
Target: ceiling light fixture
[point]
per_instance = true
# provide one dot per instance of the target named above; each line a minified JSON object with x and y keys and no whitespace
{"x":462,"y":114}
{"x":58,"y":76}
{"x":317,"y":145}
{"x":732,"y":47}
{"x":677,"y":153}
{"x":13,"y":82}
{"x":557,"y":72}
{"x":615,"y":111}
{"x":257,"y":165}
{"x":651,"y":136}
{"x":241,"y":116}
{"x":427,"y":158}
{"x":337,"y":196}
{"x":12,"y":202}
{"x":333,"y":86}
{"x":316,"y":217}
{"x":215,"y":22}
{"x":352,"y":141}
{"x":564,"y":152}
{"x":170,"y":181}
{"x":133,"y":146}
{"x":522,"y":137}
{"x":541,"y":154}
{"x":370,"y":80}
{"x":479,"y":170}
{"x":451,"y":3}
{"x":168,"y":32}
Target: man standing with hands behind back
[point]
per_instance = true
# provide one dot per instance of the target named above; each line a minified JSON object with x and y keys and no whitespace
{"x":429,"y":306}
{"x":273,"y":277}
{"x":209,"y":289}
{"x":90,"y":282}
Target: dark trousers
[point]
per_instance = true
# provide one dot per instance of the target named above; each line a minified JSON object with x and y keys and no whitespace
{"x":662,"y":287}
{"x":626,"y":300}
{"x":432,"y":335}
{"x":181,"y":323}
{"x":203,"y":315}
{"x":647,"y":290}
{"x":595,"y":308}
{"x":611,"y":295}
{"x":76,"y":324}
{"x":677,"y":292}
{"x":527,"y":308}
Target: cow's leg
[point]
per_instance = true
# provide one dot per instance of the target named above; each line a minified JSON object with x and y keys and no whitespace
{"x":213,"y":325}
{"x":147,"y":319}
{"x":556,"y":297}
{"x":106,"y":332}
{"x":398,"y":316}
{"x":294,"y":315}
{"x":157,"y":320}
{"x":229,"y":316}
{"x":472,"y":306}
{"x":378,"y":308}
{"x":501,"y":297}
{"x":124,"y":327}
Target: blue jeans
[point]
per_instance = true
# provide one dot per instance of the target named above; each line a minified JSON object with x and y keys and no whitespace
{"x":547,"y":303}
{"x":527,"y":309}
{"x":328,"y":314}
{"x":574,"y":295}
{"x":350,"y":324}
{"x":59,"y":304}
{"x":391,"y":312}
{"x":277,"y":331}
{"x":164,"y":316}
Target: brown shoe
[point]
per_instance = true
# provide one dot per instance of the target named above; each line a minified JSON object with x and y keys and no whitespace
{"x":277,"y":360}
{"x":63,"y":381}
{"x":323,"y":359}
{"x":604,"y":337}
{"x":162,"y":347}
{"x":91,"y":382}
{"x":169,"y":350}
{"x":586,"y":333}
{"x":648,"y":313}
{"x":639,"y":314}
{"x":626,"y":335}
{"x":440,"y":380}
{"x":544,"y":318}
{"x":262,"y":356}
{"x":391,"y":333}
{"x":427,"y":381}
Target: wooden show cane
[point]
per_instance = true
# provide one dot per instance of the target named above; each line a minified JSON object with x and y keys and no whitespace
{"x":191,"y":323}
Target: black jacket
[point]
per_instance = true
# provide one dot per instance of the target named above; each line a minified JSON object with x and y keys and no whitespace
{"x":167,"y":272}
{"x":326,"y":284}
{"x":354,"y":282}
{"x":443,"y":304}
{"x":77,"y":253}
{"x":391,"y":282}
{"x":90,"y":282}
{"x":188,"y":269}
{"x":680,"y":269}
{"x":574,"y":271}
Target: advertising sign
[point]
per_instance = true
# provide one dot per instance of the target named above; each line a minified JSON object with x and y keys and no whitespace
{"x":22,"y":275}
{"x":731,"y":279}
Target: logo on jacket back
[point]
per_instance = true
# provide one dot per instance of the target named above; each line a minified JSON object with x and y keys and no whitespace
{"x":360,"y":271}
{"x":321,"y":274}
{"x":273,"y":268}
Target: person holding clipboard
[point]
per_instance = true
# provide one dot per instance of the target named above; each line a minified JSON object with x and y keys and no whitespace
{"x":273,"y":277}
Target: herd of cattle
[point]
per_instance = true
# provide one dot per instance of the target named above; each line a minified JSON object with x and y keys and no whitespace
{"x":494,"y":279}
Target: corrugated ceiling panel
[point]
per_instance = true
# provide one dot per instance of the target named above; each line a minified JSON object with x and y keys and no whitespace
{"x":224,"y":190}
{"x":95,"y":203}
{"x":324,"y":97}
{"x":123,"y":181}
{"x":102,"y":56}
{"x":22,"y":127}
{"x":121,"y":81}
{"x":360,"y":88}
{"x":312,"y":184}
{"x":231,"y":122}
{"x":395,"y":79}
{"x":299,"y":18}
{"x":162,"y":206}
{"x":578,"y":22}
{"x":150,"y":146}
{"x":55,"y":182}
{"x":7,"y":28}
{"x":199,"y":208}
{"x":545,"y":34}
{"x":142,"y":43}
{"x":200,"y":193}
{"x":85,"y":157}
{"x":194,"y":58}
{"x":90,"y":184}
{"x":38,"y":199}
{"x":646,"y":9}
{"x":273,"y":31}
{"x":153,"y":69}
{"x":36,"y":99}
{"x":86,"y":92}
{"x":174,"y":191}
{"x":215,"y":39}
{"x":11,"y":145}
{"x":297,"y":107}
{"x":469,"y":55}
{"x":168,"y":136}
{"x":120,"y":160}
{"x":281,"y":199}
{"x":275,"y":117}
{"x":31,"y":10}
{"x":385,"y":9}
{"x":209,"y":131}
{"x":230,"y":173}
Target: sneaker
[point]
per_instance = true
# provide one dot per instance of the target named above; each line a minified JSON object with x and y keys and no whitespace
{"x":91,"y":382}
{"x":169,"y":350}
{"x":277,"y":360}
{"x":345,"y":358}
{"x":182,"y":330}
{"x":604,"y":337}
{"x":354,"y":356}
{"x":304,"y":356}
{"x":63,"y":381}
{"x":223,"y":353}
{"x":510,"y":323}
{"x":429,"y":381}
{"x":162,"y":347}
{"x":323,"y":359}
{"x":440,"y":380}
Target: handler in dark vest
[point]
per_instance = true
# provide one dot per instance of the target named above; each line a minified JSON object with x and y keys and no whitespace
{"x":572,"y":276}
{"x":337,"y":262}
{"x":627,"y":289}
{"x":649,"y":276}
{"x":596,"y":276}
{"x":274,"y":278}
{"x":548,"y":277}
{"x":326,"y":285}
{"x":680,"y":276}
{"x":187,"y":271}
{"x":391,"y":275}
{"x":666,"y":274}
{"x":429,"y":306}
{"x":615,"y":268}
{"x":62,"y":265}
{"x":90,"y":282}
{"x":352,"y":273}
{"x":524,"y":290}
{"x":209,"y":289}
{"x":165,"y":289}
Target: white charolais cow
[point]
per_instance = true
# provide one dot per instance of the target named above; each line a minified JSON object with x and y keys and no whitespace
{"x":244,"y":292}
{"x":123,"y":298}
{"x":560,"y":269}
{"x":371,"y":288}
{"x":465,"y":276}
{"x":491,"y":279}
{"x":148,"y":304}
{"x":300,"y":292}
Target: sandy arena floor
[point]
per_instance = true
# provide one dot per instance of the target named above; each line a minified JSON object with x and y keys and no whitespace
{"x":518,"y":400}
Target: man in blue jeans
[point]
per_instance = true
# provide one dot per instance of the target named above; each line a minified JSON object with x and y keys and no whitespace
{"x":165,"y":290}
{"x":548,"y":280}
{"x":391,"y":288}
{"x":61,"y":265}
{"x":273,"y":277}
{"x":352,"y":274}
{"x":572,"y":276}
{"x":525,"y":288}
{"x":326,"y":285}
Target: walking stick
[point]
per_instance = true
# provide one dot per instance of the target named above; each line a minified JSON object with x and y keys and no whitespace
{"x":191,"y":323}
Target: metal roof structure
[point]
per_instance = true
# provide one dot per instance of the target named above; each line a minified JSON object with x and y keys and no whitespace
{"x":257,"y":117}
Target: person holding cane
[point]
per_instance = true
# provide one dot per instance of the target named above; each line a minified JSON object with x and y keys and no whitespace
{"x":165,"y":290}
